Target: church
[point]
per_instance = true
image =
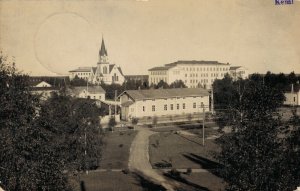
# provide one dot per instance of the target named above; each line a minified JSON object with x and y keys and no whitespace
{"x":104,"y":72}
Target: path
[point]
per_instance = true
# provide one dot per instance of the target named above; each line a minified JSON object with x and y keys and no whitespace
{"x":139,"y":159}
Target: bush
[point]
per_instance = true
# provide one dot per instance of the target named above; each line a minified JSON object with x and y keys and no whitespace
{"x":174,"y":173}
{"x":188,"y":171}
{"x":126,"y":171}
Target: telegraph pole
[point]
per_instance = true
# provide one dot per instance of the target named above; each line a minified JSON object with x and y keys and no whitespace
{"x":115,"y":103}
{"x":203,"y":135}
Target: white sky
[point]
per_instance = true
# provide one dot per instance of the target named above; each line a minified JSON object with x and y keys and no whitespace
{"x":53,"y":37}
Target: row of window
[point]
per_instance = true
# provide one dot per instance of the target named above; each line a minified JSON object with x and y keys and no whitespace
{"x":172,"y":106}
{"x":156,"y":80}
{"x":205,"y":69}
{"x":158,"y":72}
{"x":83,"y":73}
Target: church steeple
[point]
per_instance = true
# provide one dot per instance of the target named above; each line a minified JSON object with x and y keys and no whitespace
{"x":103,"y":58}
{"x":102,"y":51}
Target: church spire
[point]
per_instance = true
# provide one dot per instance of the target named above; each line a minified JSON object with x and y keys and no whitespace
{"x":103,"y":51}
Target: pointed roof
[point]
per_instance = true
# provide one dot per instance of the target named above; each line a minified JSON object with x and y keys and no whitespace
{"x":103,"y":51}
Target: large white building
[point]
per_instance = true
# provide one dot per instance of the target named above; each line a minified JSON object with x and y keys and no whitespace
{"x":163,"y":102}
{"x":106,"y":72}
{"x":193,"y":73}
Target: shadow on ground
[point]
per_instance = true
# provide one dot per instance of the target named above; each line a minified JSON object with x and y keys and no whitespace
{"x":211,"y":166}
{"x":180,"y":179}
{"x":146,"y":184}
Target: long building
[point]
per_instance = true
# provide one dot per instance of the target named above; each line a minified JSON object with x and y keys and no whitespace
{"x":163,"y":102}
{"x":193,"y":73}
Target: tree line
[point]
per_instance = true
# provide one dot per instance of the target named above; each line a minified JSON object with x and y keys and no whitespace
{"x":262,"y":151}
{"x":43,"y":142}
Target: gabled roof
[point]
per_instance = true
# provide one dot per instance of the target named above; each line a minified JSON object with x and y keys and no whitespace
{"x":120,"y":70}
{"x":102,"y":51}
{"x":111,"y":66}
{"x":82,"y":69}
{"x":91,"y":89}
{"x":165,"y":93}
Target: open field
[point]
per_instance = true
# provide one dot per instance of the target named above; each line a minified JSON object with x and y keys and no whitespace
{"x":107,"y":181}
{"x":116,"y":149}
{"x":182,"y":151}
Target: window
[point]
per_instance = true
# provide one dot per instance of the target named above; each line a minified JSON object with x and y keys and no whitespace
{"x":177,"y":105}
{"x":183,"y":106}
{"x":143,"y":108}
{"x":153,"y":107}
{"x":194,"y":105}
{"x":165,"y":107}
{"x":171,"y":106}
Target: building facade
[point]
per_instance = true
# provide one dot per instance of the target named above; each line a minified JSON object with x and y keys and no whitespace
{"x":92,"y":92}
{"x":193,"y":73}
{"x":163,"y":102}
{"x":237,"y":72}
{"x":104,"y":72}
{"x":43,"y":89}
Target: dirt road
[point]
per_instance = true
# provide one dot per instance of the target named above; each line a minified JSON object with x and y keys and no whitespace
{"x":139,"y":159}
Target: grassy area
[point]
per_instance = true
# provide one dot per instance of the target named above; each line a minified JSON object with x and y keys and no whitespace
{"x":116,"y":149}
{"x":106,"y":181}
{"x":182,"y":151}
{"x":200,"y":181}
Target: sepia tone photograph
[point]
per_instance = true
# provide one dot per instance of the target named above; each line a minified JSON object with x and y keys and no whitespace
{"x":149,"y":95}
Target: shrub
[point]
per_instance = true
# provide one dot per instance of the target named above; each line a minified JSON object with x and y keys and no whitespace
{"x":126,"y":171}
{"x":188,"y":171}
{"x":174,"y":172}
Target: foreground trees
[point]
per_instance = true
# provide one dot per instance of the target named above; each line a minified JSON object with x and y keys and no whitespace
{"x":40,"y":141}
{"x":256,"y":154}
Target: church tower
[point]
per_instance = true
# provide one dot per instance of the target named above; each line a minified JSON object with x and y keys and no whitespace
{"x":102,"y":71}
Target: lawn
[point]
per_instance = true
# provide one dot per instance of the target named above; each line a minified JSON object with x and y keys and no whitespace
{"x":182,"y":151}
{"x":116,"y":149}
{"x":106,"y":181}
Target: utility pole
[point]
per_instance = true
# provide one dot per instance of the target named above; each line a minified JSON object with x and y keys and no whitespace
{"x":85,"y":144}
{"x":203,"y":135}
{"x":115,"y":103}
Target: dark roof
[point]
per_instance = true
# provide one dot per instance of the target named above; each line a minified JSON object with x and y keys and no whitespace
{"x":195,"y":62}
{"x":91,"y":89}
{"x":94,"y":69}
{"x":111,"y":66}
{"x":52,"y":80}
{"x":103,"y":51}
{"x":120,"y":70}
{"x":160,"y":68}
{"x":165,"y":93}
{"x":82,"y":69}
{"x":43,"y":89}
{"x":234,"y":67}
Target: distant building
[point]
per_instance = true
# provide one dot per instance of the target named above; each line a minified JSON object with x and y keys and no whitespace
{"x":104,"y":72}
{"x":163,"y":102}
{"x":92,"y":92}
{"x":43,"y":89}
{"x":142,"y":78}
{"x":237,"y":72}
{"x":292,"y":98}
{"x":193,"y":73}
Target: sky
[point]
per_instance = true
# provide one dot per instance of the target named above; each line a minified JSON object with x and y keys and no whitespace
{"x":53,"y":37}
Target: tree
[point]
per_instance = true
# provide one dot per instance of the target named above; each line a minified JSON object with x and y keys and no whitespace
{"x":76,"y":135}
{"x":253,"y":155}
{"x":78,"y":81}
{"x":162,"y":84}
{"x":26,"y":161}
{"x":112,"y":122}
{"x":178,"y":84}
